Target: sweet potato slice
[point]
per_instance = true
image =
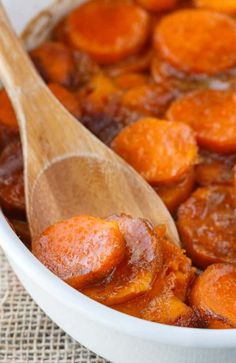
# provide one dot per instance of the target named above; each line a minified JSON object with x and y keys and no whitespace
{"x":224,"y":6}
{"x":211,"y":114}
{"x":12,"y":196}
{"x":213,"y":296}
{"x":207,"y":226}
{"x":135,"y":275}
{"x":68,"y":99}
{"x":127,"y":81}
{"x":168,"y":309}
{"x":158,"y":5}
{"x":164,"y":303}
{"x":7,"y":113}
{"x":215,"y":168}
{"x":55,"y":62}
{"x":108,"y":30}
{"x":100,"y":101}
{"x":80,"y":250}
{"x":175,"y":194}
{"x":135,"y":63}
{"x":148,"y":99}
{"x":162,"y":152}
{"x":213,"y":36}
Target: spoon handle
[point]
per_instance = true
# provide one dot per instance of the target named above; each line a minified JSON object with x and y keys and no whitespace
{"x":17,"y":72}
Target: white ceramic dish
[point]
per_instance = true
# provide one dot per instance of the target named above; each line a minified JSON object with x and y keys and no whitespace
{"x":115,"y":336}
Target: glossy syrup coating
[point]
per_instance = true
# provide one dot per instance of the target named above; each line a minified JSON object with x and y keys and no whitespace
{"x":12,"y":196}
{"x":161,"y":151}
{"x":211,"y":113}
{"x":81,"y":250}
{"x":108,"y":30}
{"x":213,"y":296}
{"x":136,"y":273}
{"x":213,"y":36}
{"x":206,"y":223}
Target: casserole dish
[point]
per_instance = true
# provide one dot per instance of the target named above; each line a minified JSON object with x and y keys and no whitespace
{"x":115,"y":336}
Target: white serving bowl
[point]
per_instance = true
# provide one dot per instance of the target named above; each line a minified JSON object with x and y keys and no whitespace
{"x":115,"y":336}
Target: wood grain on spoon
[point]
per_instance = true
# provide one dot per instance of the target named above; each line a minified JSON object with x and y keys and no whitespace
{"x":68,"y":171}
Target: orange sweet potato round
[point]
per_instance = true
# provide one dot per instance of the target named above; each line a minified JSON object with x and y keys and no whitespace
{"x":157,"y":5}
{"x":55,"y":62}
{"x":215,"y":168}
{"x":211,"y":114}
{"x":212,"y":48}
{"x":207,"y":226}
{"x":128,"y":81}
{"x":224,"y":6}
{"x":80,"y":250}
{"x":135,"y":63}
{"x":213,"y":296}
{"x":136,"y":273}
{"x":147,"y":99}
{"x":175,"y":194}
{"x":162,"y":152}
{"x":7,"y":113}
{"x":108,"y":30}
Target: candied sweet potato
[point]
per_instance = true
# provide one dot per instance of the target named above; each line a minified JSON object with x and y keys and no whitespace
{"x":224,"y":6}
{"x":158,"y":5}
{"x":136,"y":63}
{"x":211,"y":113}
{"x":161,"y":151}
{"x":207,"y":225}
{"x":55,"y":62}
{"x":100,"y":101}
{"x":215,"y":168}
{"x":80,"y":250}
{"x":213,"y":296}
{"x":213,"y":37}
{"x":68,"y":99}
{"x":7,"y":113}
{"x":12,"y":196}
{"x":165,"y":302}
{"x":136,"y":273}
{"x":128,"y":81}
{"x":148,"y":99}
{"x":108,"y":30}
{"x":175,"y":194}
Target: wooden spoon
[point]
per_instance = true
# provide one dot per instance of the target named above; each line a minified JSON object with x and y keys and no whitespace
{"x":68,"y":171}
